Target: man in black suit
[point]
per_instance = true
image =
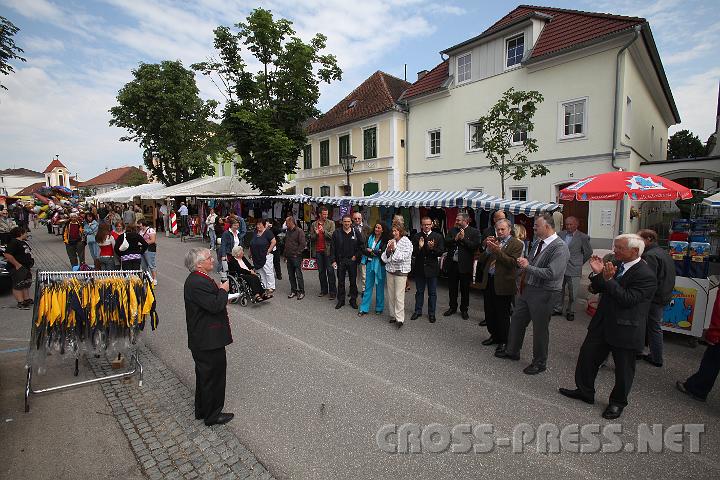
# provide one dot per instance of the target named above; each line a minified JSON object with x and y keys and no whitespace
{"x":208,"y":328}
{"x":618,"y":326}
{"x":459,"y":264}
{"x":427,"y":247}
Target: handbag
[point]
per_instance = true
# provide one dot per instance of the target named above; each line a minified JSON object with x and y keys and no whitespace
{"x":124,"y":245}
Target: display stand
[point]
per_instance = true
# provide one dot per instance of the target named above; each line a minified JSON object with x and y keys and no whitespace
{"x":43,"y":276}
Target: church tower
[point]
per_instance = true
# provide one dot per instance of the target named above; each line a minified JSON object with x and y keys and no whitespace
{"x":56,"y":174}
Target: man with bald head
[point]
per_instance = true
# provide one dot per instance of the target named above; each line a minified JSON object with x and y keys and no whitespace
{"x":580,"y":251}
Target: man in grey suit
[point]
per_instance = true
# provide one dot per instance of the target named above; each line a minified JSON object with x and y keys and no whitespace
{"x":580,"y":251}
{"x":541,"y":281}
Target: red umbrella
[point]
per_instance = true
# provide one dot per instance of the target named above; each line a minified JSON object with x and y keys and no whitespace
{"x":615,"y":185}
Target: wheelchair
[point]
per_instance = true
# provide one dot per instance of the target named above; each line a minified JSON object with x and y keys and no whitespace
{"x":239,"y":285}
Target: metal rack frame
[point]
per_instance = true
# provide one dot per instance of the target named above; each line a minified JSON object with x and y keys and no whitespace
{"x":134,"y":359}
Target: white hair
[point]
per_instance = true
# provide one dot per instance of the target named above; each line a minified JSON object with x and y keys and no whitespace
{"x":236,"y":251}
{"x":195,"y":256}
{"x":633,"y":241}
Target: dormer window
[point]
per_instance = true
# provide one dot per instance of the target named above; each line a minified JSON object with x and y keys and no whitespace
{"x":464,"y":68}
{"x":352,"y":104}
{"x":514,"y":49}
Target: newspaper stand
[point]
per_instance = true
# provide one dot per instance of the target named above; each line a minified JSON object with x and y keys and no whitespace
{"x":43,"y":276}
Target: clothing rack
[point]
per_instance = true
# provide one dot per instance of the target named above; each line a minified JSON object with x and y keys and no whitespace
{"x":46,"y":276}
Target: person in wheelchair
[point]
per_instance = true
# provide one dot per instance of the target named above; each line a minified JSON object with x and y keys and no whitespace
{"x":240,"y":267}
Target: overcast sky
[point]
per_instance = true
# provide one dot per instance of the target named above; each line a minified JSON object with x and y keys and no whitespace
{"x":81,"y":52}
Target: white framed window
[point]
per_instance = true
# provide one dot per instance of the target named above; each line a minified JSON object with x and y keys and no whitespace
{"x":473,"y":135}
{"x":433,"y":143}
{"x":519,"y":137}
{"x":518,"y":194}
{"x":628,"y":116}
{"x":514,"y":50}
{"x":573,"y":119}
{"x":464,"y":68}
{"x":325,"y":191}
{"x":370,"y":142}
{"x":307,"y":191}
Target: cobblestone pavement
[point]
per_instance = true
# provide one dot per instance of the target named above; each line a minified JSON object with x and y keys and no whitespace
{"x":158,"y":418}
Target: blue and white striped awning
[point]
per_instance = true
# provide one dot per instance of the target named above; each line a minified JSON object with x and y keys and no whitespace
{"x":460,"y":198}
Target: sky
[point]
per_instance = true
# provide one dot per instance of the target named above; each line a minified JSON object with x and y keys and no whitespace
{"x":81,"y":52}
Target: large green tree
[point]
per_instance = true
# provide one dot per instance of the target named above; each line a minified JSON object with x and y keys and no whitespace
{"x":504,"y":135}
{"x":265,"y":109}
{"x":163,"y":112}
{"x":685,"y":144}
{"x":8,"y":50}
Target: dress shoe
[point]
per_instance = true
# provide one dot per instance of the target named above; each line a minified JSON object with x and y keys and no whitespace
{"x":399,"y":324}
{"x":332,"y":296}
{"x":681,"y":386}
{"x":504,"y":354}
{"x":360,"y":314}
{"x":570,"y":318}
{"x":557,"y":312}
{"x":415,"y":316}
{"x":612,"y":412}
{"x":576,"y":395}
{"x":353,"y":304}
{"x":292,"y":295}
{"x":198,"y":417}
{"x":221,"y":419}
{"x":449,"y":312}
{"x":339,"y":305}
{"x":489,"y":341}
{"x":499,"y":347}
{"x":378,"y":313}
{"x":300,"y":296}
{"x":651,"y":361}
{"x":431,"y":318}
{"x":321,"y":294}
{"x":392,"y":320}
{"x":533,"y":369}
{"x":482,"y":323}
{"x":464,"y":315}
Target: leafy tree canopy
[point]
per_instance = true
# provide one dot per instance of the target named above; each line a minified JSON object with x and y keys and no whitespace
{"x":8,"y":50}
{"x":163,"y":112}
{"x":136,"y":178}
{"x":684,"y":144}
{"x":506,"y":139}
{"x":265,"y":109}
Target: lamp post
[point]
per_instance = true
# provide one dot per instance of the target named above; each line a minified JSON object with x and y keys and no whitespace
{"x":347,"y":161}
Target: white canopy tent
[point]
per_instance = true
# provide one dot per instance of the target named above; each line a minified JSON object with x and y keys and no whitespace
{"x":209,"y":187}
{"x":712,"y":200}
{"x":127,"y":194}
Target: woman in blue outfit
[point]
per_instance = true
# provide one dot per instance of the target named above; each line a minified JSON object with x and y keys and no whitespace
{"x":374,"y":272}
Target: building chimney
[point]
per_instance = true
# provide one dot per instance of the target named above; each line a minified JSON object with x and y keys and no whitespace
{"x":421,"y":74}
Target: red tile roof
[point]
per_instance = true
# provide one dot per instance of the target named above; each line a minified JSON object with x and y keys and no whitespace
{"x":430,"y":82}
{"x":378,"y":94}
{"x":54,"y":164}
{"x":116,"y":175}
{"x":563,"y":29}
{"x":21,"y":172}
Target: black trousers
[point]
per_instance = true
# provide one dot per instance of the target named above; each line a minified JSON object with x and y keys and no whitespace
{"x":297,"y":282}
{"x":497,"y":311}
{"x":349,"y":267}
{"x":593,"y":353}
{"x":463,"y":280}
{"x":210,"y":369}
{"x":702,"y":381}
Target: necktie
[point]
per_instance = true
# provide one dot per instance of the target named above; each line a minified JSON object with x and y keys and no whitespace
{"x":539,"y":249}
{"x":620,"y":271}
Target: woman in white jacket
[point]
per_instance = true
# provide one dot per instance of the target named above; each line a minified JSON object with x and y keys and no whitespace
{"x":397,"y":257}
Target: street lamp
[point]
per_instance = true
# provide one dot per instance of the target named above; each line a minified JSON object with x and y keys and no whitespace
{"x":347,"y":161}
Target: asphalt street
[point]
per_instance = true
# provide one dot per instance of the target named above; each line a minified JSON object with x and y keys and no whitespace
{"x":311,"y":386}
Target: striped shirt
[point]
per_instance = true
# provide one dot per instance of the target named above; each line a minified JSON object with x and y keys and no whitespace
{"x":400,"y":260}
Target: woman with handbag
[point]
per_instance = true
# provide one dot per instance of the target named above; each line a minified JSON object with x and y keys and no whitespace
{"x":19,"y":263}
{"x":374,"y":272}
{"x":130,"y":247}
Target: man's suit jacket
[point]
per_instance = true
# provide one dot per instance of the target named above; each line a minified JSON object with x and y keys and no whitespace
{"x":505,"y":267}
{"x":425,"y":260}
{"x":206,"y":314}
{"x":580,"y":252}
{"x":466,"y":250}
{"x":624,"y":304}
{"x":329,"y":229}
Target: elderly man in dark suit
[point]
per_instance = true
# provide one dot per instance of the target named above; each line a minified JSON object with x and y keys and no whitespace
{"x":208,"y":328}
{"x":541,"y":280}
{"x":627,"y":287}
{"x":459,"y":264}
{"x":427,"y":247}
{"x":498,"y":264}
{"x":580,"y":251}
